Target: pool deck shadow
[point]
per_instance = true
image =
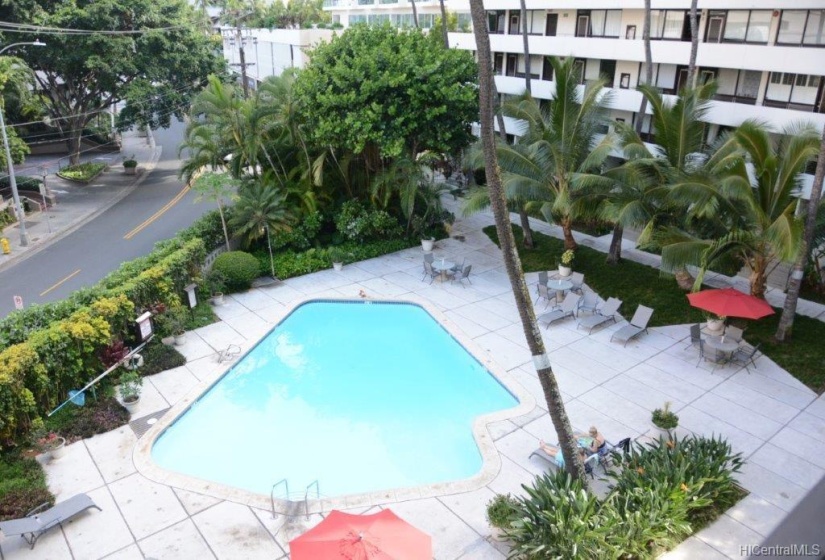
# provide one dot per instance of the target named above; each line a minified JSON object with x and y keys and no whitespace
{"x":766,"y":414}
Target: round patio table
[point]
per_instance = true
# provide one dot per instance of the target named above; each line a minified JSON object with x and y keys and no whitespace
{"x":718,"y":343}
{"x":560,"y":286}
{"x":443,"y":266}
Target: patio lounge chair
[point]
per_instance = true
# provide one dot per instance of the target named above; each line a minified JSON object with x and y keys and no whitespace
{"x":602,"y":316}
{"x":38,"y":521}
{"x":566,"y":309}
{"x":589,"y":463}
{"x":637,"y":326}
{"x":589,"y":302}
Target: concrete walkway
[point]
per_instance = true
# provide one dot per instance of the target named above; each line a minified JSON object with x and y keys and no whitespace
{"x":78,"y":203}
{"x":774,"y":420}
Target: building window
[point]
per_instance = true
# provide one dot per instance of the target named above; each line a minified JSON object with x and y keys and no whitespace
{"x":738,"y":86}
{"x":667,"y":24}
{"x":496,"y":21}
{"x":547,"y":69}
{"x":795,"y":91}
{"x":664,"y":76}
{"x":747,"y":26}
{"x":599,"y":23}
{"x":802,"y":27}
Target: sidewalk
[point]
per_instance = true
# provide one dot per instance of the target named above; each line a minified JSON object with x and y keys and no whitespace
{"x":78,"y":203}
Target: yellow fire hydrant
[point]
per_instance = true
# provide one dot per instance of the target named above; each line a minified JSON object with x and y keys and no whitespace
{"x":4,"y":243}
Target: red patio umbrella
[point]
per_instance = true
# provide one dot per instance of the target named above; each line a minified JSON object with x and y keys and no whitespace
{"x":380,"y":536}
{"x":729,"y":302}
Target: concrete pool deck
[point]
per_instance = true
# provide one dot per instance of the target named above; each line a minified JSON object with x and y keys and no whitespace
{"x":774,"y":420}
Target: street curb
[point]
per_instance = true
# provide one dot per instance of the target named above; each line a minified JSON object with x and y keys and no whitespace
{"x":81,"y":220}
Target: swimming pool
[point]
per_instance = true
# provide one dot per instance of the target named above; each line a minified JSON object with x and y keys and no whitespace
{"x":360,"y":396}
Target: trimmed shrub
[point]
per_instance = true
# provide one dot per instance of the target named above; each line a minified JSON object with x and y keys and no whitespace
{"x":301,"y":236}
{"x":98,"y":416}
{"x":82,"y":172}
{"x":158,"y":357}
{"x":239,"y":268}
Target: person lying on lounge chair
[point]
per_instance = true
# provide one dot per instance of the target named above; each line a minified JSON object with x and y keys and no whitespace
{"x":556,"y":454}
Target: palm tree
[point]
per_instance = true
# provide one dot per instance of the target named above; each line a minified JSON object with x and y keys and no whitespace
{"x":512,"y":263}
{"x":694,"y":42}
{"x":756,"y":214}
{"x":525,"y":41}
{"x":559,"y":144}
{"x":795,"y":283}
{"x":640,"y":116}
{"x":259,"y":210}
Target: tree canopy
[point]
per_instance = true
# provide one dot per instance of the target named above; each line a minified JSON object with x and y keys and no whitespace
{"x":149,"y":53}
{"x":382,"y":92}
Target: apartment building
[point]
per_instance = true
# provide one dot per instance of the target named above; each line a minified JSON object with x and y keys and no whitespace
{"x":767,"y":56}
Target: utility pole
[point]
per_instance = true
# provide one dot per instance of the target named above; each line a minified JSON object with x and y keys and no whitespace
{"x":239,"y":39}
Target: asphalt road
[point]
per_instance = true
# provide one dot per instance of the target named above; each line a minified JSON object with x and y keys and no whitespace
{"x":100,"y":246}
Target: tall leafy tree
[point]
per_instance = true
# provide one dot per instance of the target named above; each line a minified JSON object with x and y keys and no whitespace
{"x":795,"y":283}
{"x":380,"y":92}
{"x":150,"y":54}
{"x":512,"y":262}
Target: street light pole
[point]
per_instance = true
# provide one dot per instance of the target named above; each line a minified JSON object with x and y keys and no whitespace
{"x":18,"y":208}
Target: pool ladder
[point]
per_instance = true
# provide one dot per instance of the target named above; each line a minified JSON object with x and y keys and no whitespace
{"x":285,"y":482}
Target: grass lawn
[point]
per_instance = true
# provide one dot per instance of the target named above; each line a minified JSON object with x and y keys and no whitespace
{"x":635,"y":284}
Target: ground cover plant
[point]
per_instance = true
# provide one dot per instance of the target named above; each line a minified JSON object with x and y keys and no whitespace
{"x":22,"y":485}
{"x":636,"y":283}
{"x":82,"y":172}
{"x":661,"y":493}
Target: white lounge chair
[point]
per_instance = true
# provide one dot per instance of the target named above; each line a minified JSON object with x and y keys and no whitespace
{"x":603,"y":315}
{"x":39,"y":520}
{"x":638,"y":325}
{"x":567,"y":309}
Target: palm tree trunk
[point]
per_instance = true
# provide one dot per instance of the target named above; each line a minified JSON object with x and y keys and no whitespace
{"x":550,"y":387}
{"x":567,"y":230}
{"x":523,"y":18}
{"x":415,"y":13}
{"x":444,"y":25}
{"x":615,"y":253}
{"x":785,"y":328}
{"x":527,"y":239}
{"x":649,"y":66}
{"x":759,"y":276}
{"x":694,"y":42}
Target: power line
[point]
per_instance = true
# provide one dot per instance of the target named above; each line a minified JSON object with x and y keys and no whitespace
{"x":11,"y":27}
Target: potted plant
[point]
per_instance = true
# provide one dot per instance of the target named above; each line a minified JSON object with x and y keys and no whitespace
{"x":500,"y":512}
{"x":427,"y":244}
{"x":51,"y":445}
{"x":665,"y":420}
{"x":177,"y":321}
{"x":214,"y":282}
{"x":130,"y":387}
{"x":130,"y":165}
{"x":566,"y":262}
{"x":714,"y":323}
{"x":337,"y":257}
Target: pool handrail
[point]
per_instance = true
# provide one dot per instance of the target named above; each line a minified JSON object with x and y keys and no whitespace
{"x":283,"y":481}
{"x":306,"y":495}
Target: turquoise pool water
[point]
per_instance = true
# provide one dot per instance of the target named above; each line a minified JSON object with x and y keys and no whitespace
{"x":358,"y":396}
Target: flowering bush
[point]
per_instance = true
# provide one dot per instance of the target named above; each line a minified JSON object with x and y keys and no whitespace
{"x":567,"y":257}
{"x":49,"y":442}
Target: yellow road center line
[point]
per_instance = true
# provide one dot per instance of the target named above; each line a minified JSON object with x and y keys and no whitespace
{"x":66,"y":279}
{"x":158,"y":214}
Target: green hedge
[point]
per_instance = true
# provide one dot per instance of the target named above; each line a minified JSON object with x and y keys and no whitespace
{"x":82,"y":172}
{"x":24,"y":183}
{"x":290,"y":263}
